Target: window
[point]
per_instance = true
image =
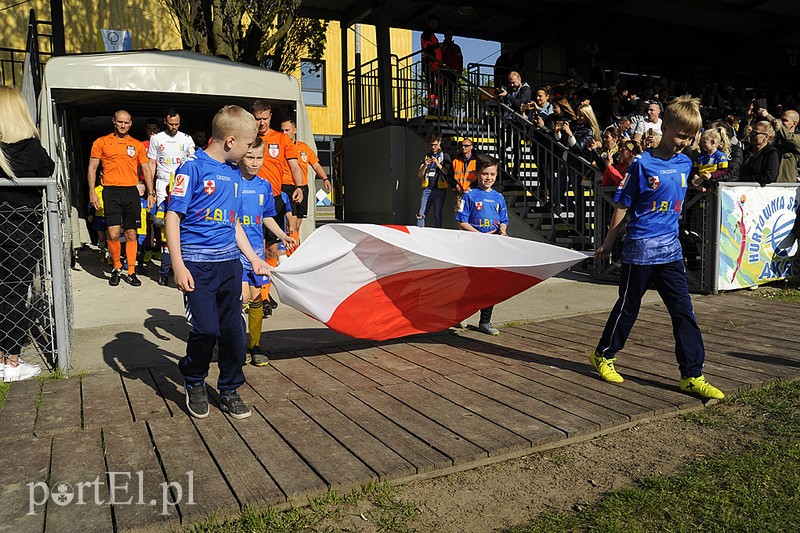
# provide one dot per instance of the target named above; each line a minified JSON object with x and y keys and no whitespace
{"x":312,"y":82}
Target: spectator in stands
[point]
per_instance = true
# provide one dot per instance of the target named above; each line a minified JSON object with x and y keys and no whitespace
{"x":453,"y":59}
{"x":21,"y":232}
{"x":609,"y":149}
{"x":711,"y":164}
{"x":540,"y":107}
{"x":787,"y":142}
{"x":562,"y":108}
{"x":516,"y":94}
{"x":761,"y":161}
{"x":586,"y":136}
{"x":624,"y":128}
{"x":507,"y":62}
{"x":652,"y":121}
{"x":638,"y":115}
{"x":431,"y":58}
{"x":435,"y":171}
{"x":615,"y":171}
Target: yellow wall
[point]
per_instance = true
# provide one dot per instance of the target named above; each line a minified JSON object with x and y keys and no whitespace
{"x":150,"y":25}
{"x":327,"y":120}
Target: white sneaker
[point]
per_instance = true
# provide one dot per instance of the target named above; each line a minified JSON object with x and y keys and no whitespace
{"x":20,"y":372}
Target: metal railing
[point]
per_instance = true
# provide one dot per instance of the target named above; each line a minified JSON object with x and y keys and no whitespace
{"x":35,"y":291}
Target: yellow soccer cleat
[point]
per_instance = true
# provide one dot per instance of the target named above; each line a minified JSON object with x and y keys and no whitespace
{"x":605,"y":367}
{"x":701,"y":387}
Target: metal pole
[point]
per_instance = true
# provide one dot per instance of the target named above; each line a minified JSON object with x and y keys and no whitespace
{"x":58,"y":277}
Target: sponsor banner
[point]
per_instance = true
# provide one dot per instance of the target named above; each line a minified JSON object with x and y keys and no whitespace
{"x":754,"y":243}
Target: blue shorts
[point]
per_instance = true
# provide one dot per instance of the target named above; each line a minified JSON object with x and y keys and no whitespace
{"x":99,"y":223}
{"x":253,"y":279}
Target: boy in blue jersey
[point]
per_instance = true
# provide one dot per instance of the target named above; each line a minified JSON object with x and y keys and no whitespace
{"x":652,"y":193}
{"x":258,"y":210}
{"x":205,"y":240}
{"x":483,"y":210}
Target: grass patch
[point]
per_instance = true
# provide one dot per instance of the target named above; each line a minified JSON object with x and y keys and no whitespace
{"x":754,"y":489}
{"x":3,"y":393}
{"x":376,"y":505}
{"x":783,"y":295}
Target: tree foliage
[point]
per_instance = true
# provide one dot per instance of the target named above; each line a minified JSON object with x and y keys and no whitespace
{"x":257,"y":32}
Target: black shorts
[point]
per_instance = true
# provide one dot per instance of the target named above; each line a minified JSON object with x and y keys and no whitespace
{"x":269,"y":237}
{"x":299,"y":210}
{"x":122,"y":207}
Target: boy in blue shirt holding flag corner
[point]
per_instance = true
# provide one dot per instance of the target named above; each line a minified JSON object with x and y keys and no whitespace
{"x":652,"y":193}
{"x":483,"y":210}
{"x":205,"y":240}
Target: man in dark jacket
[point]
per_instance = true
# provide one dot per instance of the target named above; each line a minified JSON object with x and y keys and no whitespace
{"x":516,"y":94}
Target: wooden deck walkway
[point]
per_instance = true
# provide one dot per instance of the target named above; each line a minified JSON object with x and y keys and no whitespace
{"x":336,"y":418}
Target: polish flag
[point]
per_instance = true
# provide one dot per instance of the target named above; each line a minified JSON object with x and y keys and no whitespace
{"x":383,"y":282}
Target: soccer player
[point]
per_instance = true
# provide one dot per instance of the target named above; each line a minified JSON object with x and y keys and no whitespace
{"x":280,"y":167}
{"x":652,"y":193}
{"x":168,"y":149}
{"x":483,"y":210}
{"x":258,"y":210}
{"x":121,"y":155}
{"x":306,"y":158}
{"x":205,"y":241}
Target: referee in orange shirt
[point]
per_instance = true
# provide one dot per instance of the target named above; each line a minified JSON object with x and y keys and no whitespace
{"x":121,"y":156}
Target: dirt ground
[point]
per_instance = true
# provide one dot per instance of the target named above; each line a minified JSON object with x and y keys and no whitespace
{"x":514,"y":492}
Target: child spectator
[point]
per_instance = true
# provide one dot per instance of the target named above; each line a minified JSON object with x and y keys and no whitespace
{"x":205,"y":241}
{"x":258,"y":208}
{"x":654,"y":192}
{"x":711,"y":164}
{"x":483,"y":209}
{"x":615,"y":172}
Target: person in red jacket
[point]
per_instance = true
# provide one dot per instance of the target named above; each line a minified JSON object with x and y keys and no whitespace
{"x":453,"y":61}
{"x":431,"y":60}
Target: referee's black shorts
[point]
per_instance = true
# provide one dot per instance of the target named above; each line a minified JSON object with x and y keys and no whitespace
{"x":300,"y":210}
{"x":122,"y":207}
{"x":269,"y":237}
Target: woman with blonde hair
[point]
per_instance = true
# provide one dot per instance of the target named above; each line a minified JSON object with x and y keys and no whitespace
{"x":586,"y":136}
{"x":21,"y":156}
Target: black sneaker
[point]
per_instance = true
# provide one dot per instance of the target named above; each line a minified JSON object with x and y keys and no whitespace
{"x":258,"y":357}
{"x":272,"y":303}
{"x":267,"y":311}
{"x":141,"y":269}
{"x":230,"y":402}
{"x":197,"y":400}
{"x":134,"y":281}
{"x":163,"y":280}
{"x":115,"y":275}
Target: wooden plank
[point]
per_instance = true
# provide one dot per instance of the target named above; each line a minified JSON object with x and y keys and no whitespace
{"x":308,"y":377}
{"x":169,"y":381}
{"x":250,"y":482}
{"x":479,"y":399}
{"x":271,"y":385}
{"x":365,"y":367}
{"x":291,"y":473}
{"x":26,"y":461}
{"x":340,"y":469}
{"x":568,"y":424}
{"x":60,"y":408}
{"x":379,"y":458}
{"x":498,"y":355}
{"x":431,"y":361}
{"x":494,"y":439}
{"x":77,"y":457}
{"x":184,"y":458}
{"x":435,"y":344}
{"x":104,"y":400}
{"x":143,"y":395}
{"x":424,"y":457}
{"x":341,"y":372}
{"x":129,"y":450}
{"x":18,"y":415}
{"x":457,"y":448}
{"x":398,"y":366}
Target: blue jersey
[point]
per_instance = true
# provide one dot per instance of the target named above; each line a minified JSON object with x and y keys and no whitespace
{"x":715,"y":162}
{"x":483,"y":210}
{"x":207,"y":193}
{"x":257,"y":203}
{"x":288,"y":203}
{"x":653,"y":190}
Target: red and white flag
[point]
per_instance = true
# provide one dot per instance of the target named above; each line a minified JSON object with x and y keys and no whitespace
{"x":383,"y":282}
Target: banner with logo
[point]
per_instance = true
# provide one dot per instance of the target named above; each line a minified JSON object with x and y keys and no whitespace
{"x":115,"y":40}
{"x":754,"y":241}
